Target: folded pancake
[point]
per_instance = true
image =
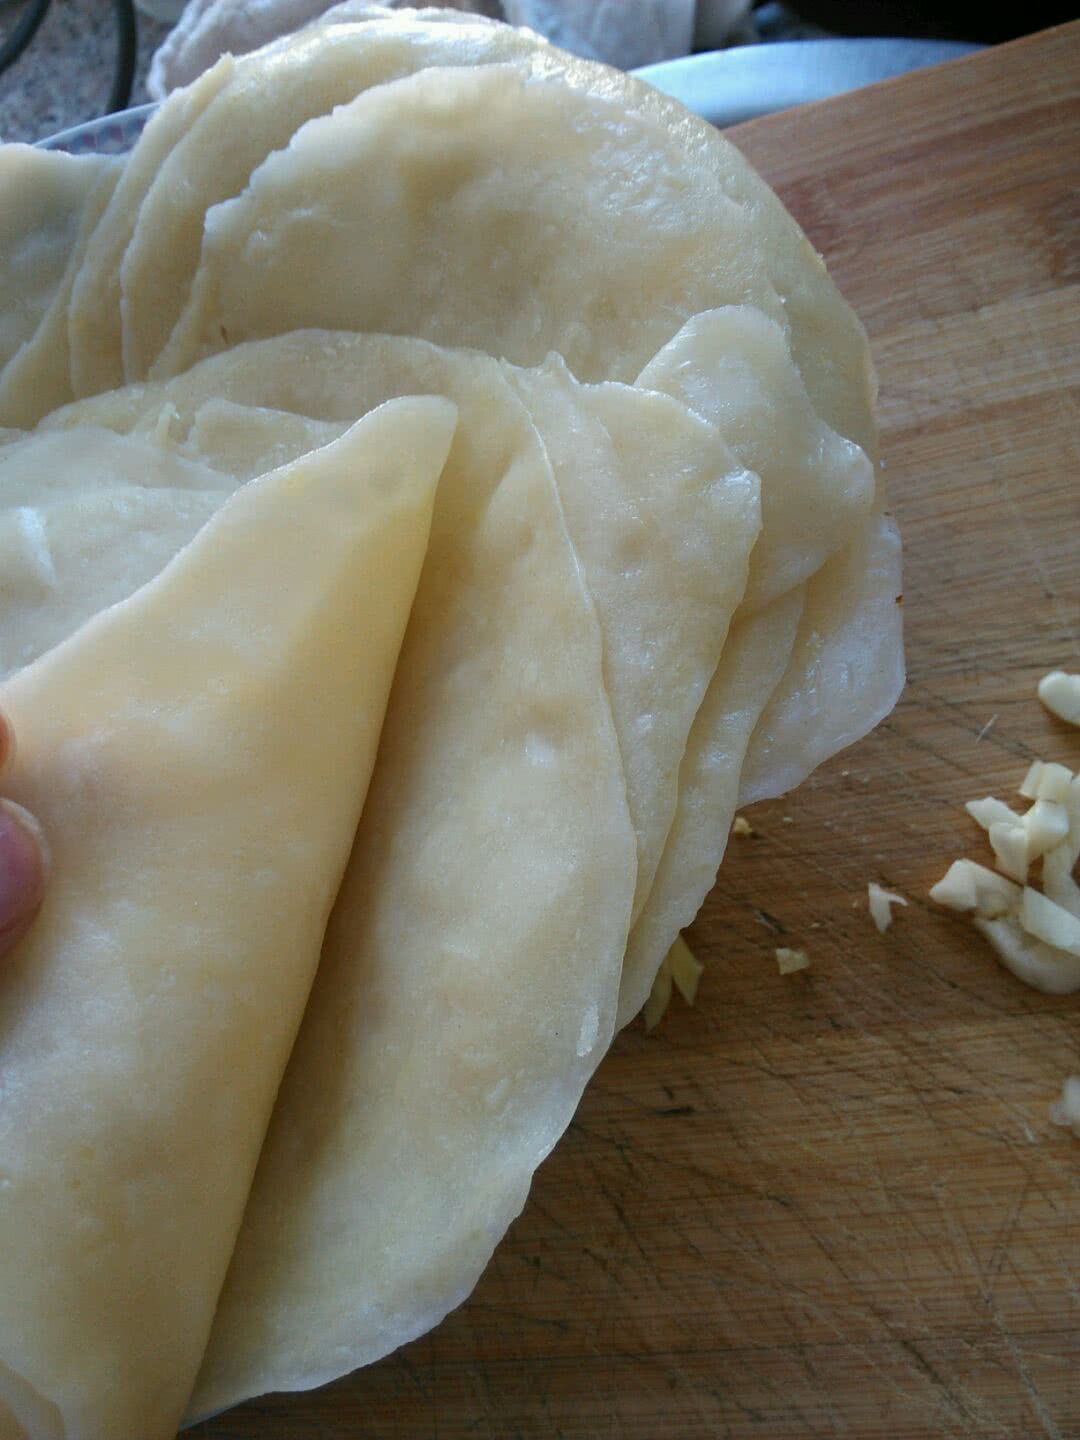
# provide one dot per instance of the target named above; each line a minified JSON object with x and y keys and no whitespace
{"x":824,"y":523}
{"x":43,"y":195}
{"x":751,"y":667}
{"x":314,"y":70}
{"x":478,"y":207}
{"x":37,"y":375}
{"x":469,"y":978}
{"x":735,"y":367}
{"x":264,"y":102}
{"x":86,"y":517}
{"x":846,"y":670}
{"x":198,"y":756}
{"x":94,"y":313}
{"x":663,"y":517}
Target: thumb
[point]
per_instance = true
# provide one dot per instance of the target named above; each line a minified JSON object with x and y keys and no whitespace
{"x":22,"y":872}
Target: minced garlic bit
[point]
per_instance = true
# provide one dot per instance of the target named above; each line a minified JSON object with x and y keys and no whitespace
{"x":791,"y":960}
{"x":742,"y":826}
{"x":1034,"y":932}
{"x":1066,"y":1111}
{"x":659,"y":996}
{"x":686,"y":970}
{"x":1060,"y":693}
{"x":680,"y":968}
{"x":881,"y":903}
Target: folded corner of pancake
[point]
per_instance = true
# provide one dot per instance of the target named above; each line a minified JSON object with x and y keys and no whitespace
{"x":199,"y":756}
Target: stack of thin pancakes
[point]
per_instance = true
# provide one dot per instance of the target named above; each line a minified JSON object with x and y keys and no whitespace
{"x":437,"y":484}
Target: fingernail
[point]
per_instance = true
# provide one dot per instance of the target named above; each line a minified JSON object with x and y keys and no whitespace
{"x":23,"y":866}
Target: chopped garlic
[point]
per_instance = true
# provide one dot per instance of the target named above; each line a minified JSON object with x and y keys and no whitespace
{"x":1035,"y":933}
{"x":1047,"y":781}
{"x":1053,"y":971}
{"x":881,"y":903}
{"x":1050,"y":922}
{"x":1066,"y":1111}
{"x":1060,"y":693}
{"x":686,"y":970}
{"x":988,"y":811}
{"x":1057,"y":879}
{"x":659,"y":996}
{"x":1012,"y":849}
{"x":680,"y":968}
{"x":742,"y":826}
{"x":791,"y":960}
{"x":969,"y":886}
{"x":1047,"y":825}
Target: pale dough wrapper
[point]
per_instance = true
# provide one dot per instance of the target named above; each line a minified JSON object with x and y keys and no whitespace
{"x":660,"y":512}
{"x":94,"y":311}
{"x":478,"y":207}
{"x":468,"y":983}
{"x":86,"y":517}
{"x":471,"y":970}
{"x":198,"y":757}
{"x":43,"y":196}
{"x":37,"y":377}
{"x":316,"y":69}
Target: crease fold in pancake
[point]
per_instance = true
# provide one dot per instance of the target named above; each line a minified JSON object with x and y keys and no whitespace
{"x":198,"y":757}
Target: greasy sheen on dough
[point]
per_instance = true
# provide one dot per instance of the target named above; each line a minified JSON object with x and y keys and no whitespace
{"x":198,"y":757}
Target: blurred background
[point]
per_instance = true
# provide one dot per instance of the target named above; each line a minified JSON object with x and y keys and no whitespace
{"x":63,"y":62}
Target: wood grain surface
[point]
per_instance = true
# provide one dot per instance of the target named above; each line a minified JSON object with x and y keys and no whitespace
{"x":832,"y":1204}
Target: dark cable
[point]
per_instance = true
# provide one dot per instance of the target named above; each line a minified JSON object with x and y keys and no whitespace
{"x":124,"y":74}
{"x":24,"y":30}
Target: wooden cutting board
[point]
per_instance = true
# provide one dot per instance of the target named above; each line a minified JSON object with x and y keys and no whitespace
{"x":832,"y":1204}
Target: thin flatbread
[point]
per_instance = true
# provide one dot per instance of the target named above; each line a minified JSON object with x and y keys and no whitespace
{"x":87,"y":517}
{"x":264,"y":102}
{"x":846,"y":670}
{"x":663,"y":518}
{"x":37,"y":378}
{"x":813,"y":662}
{"x":474,"y":207}
{"x":468,"y":982}
{"x":198,"y":757}
{"x":750,"y":669}
{"x":43,"y":195}
{"x":94,"y":315}
{"x":734,"y":366}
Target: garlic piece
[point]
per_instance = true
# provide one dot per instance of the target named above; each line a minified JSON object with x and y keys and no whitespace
{"x":1066,"y":1110}
{"x":1050,"y":922}
{"x":789,"y":961}
{"x":881,"y":903}
{"x":967,"y":885}
{"x":1053,"y":971}
{"x":1060,"y":693}
{"x":1047,"y":780}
